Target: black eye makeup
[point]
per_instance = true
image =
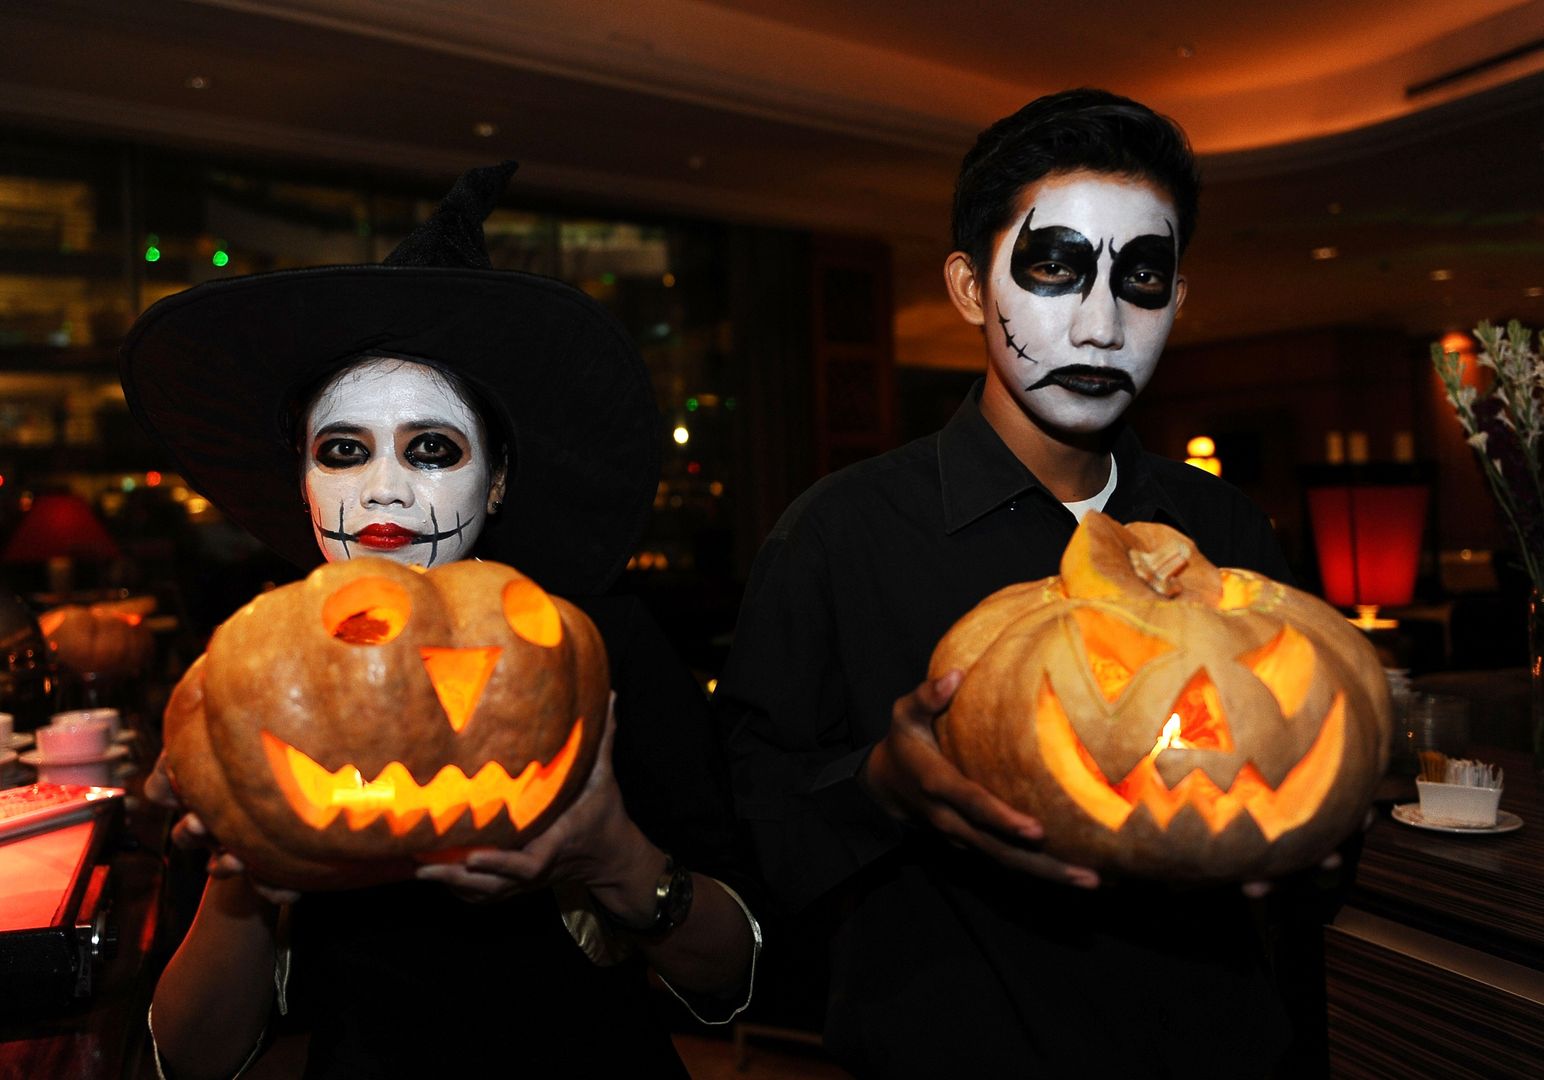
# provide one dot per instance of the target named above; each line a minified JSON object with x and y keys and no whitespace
{"x":433,"y":450}
{"x":1054,"y":260}
{"x":341,"y":453}
{"x":1142,"y":273}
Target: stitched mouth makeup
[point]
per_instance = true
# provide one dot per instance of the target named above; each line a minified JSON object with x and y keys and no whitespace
{"x":389,"y":537}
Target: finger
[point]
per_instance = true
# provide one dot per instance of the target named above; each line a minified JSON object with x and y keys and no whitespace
{"x":222,"y":864}
{"x":273,"y":894}
{"x":941,"y":782}
{"x":190,"y":832}
{"x":158,"y":785}
{"x":520,"y":864}
{"x":468,"y":884}
{"x":922,"y":705}
{"x":1035,"y":863}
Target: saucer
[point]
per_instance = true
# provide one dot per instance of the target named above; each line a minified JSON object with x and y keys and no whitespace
{"x":19,"y":739}
{"x":114,"y":753}
{"x":1410,"y":814}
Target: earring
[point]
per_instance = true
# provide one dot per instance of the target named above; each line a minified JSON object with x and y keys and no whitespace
{"x":494,"y":506}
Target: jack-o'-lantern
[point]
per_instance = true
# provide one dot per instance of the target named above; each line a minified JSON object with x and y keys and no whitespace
{"x":343,"y":729}
{"x":107,"y":639}
{"x":1165,"y":718}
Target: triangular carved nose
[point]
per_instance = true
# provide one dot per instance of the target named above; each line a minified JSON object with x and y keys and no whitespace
{"x":459,"y":676}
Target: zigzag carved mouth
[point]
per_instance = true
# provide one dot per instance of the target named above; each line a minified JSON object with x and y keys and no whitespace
{"x":318,"y":795}
{"x":1275,"y":810}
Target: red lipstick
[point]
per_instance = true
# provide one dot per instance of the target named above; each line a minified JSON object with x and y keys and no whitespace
{"x":385,"y":537}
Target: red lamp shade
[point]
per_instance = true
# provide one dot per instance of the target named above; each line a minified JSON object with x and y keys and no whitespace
{"x":59,"y":526}
{"x":1368,"y":537}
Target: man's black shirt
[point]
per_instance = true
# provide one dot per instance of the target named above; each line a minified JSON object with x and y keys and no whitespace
{"x":941,"y":961}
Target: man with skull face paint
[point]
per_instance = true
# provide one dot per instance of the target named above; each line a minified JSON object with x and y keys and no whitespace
{"x":956,"y":946}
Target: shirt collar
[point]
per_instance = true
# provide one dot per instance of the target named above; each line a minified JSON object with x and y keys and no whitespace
{"x":978,"y":473}
{"x":976,"y":470}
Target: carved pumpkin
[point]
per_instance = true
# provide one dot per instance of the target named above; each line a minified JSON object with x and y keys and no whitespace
{"x":103,"y":639}
{"x":343,"y":729}
{"x":1165,"y":718}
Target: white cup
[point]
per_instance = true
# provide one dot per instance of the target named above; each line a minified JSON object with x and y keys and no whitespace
{"x":78,"y":739}
{"x":77,"y":716}
{"x":1458,"y":804}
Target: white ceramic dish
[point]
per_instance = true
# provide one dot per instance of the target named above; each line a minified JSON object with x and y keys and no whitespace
{"x":1410,"y":814}
{"x":113,"y":753}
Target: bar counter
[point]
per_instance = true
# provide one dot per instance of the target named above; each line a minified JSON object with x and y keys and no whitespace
{"x":101,"y":1035}
{"x":1435,"y":967}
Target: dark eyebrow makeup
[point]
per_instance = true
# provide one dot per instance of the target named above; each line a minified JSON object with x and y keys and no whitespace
{"x":1055,"y":260}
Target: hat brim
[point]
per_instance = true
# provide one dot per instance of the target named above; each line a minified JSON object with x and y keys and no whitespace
{"x":211,"y":371}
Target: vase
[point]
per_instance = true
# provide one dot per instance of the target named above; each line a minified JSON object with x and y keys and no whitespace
{"x":1536,"y":673}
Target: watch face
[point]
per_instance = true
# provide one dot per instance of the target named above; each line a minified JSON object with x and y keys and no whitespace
{"x":674,"y":897}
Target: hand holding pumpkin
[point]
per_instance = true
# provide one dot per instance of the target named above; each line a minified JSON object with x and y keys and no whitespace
{"x":593,"y":843}
{"x":909,"y":777}
{"x":191,"y":834}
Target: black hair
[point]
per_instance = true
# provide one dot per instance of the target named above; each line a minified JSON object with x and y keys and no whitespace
{"x":1075,"y":129}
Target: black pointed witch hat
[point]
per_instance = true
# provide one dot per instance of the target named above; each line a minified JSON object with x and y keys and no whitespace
{"x":213,"y":373}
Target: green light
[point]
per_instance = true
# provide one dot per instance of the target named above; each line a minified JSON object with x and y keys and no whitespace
{"x":152,"y":254}
{"x":691,"y":404}
{"x":730,"y":403}
{"x":608,"y":279}
{"x":219,"y":258}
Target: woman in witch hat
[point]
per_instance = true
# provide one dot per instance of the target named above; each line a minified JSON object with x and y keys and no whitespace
{"x":428,"y":409}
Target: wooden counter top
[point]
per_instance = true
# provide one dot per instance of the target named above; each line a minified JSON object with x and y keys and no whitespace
{"x":1436,"y":965}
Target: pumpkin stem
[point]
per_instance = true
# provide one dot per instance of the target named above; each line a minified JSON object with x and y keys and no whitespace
{"x":1161,"y":568}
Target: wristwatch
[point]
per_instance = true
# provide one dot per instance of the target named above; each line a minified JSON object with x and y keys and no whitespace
{"x":672,"y":898}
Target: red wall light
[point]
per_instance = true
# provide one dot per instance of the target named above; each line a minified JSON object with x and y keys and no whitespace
{"x":1368,"y":539}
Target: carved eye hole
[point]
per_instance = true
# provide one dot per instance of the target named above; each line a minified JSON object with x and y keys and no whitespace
{"x":1116,"y":649}
{"x":1285,"y":665}
{"x":370,"y":611}
{"x":531,"y":613}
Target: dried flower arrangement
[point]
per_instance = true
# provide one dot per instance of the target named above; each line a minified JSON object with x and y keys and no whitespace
{"x":1505,"y":425}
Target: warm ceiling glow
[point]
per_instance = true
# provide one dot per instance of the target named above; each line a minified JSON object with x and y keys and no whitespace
{"x":1201,"y":446}
{"x":681,"y":435}
{"x":1442,"y":275}
{"x":1324,"y":253}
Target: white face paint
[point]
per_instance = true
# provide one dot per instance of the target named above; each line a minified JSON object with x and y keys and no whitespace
{"x":396,"y":465}
{"x":1082,"y":292}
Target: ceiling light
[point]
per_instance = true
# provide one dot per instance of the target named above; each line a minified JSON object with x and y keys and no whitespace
{"x":484,"y":130}
{"x":1326,"y":252}
{"x":196,"y":82}
{"x":1441,"y":275}
{"x":1533,"y":292}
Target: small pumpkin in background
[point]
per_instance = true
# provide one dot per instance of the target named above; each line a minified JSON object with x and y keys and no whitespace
{"x":1164,"y":718}
{"x":343,"y":729}
{"x":106,"y":639}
